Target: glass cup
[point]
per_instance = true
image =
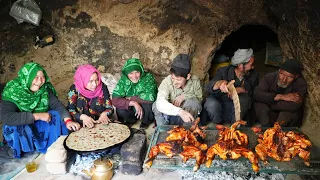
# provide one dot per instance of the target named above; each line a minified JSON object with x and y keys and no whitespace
{"x":31,"y":166}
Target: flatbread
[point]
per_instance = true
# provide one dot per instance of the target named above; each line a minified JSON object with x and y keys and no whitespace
{"x":235,"y":98}
{"x":101,"y":136}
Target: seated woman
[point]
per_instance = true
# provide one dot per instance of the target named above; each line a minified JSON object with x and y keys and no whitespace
{"x":89,"y":99}
{"x":134,"y":94}
{"x":32,"y":115}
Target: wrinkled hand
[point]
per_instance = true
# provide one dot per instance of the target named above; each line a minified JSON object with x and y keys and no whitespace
{"x":139,"y":110}
{"x":222,"y":85}
{"x":291,"y":97}
{"x":241,"y":90}
{"x":73,"y":126}
{"x":46,"y":117}
{"x":178,"y":100}
{"x":104,"y":119}
{"x":185,"y":116}
{"x":87,"y":121}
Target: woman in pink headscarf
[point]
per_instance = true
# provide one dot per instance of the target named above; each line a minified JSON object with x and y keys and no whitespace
{"x":89,"y":99}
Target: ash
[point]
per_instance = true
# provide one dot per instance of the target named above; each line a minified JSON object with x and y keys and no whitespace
{"x":240,"y":169}
{"x":209,"y":175}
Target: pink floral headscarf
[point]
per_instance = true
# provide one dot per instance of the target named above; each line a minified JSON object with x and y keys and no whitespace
{"x":81,"y":79}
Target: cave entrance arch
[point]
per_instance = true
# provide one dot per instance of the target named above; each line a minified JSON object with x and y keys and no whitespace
{"x":261,"y":39}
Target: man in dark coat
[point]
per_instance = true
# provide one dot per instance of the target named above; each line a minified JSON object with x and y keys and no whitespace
{"x":218,"y":107}
{"x":280,"y":96}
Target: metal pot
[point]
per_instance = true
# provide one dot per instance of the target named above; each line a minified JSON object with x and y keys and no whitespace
{"x":101,"y":170}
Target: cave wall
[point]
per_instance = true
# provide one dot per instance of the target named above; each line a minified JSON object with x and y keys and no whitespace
{"x":106,"y":33}
{"x":298,"y":32}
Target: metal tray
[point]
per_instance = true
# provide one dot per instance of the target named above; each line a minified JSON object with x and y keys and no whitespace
{"x":295,"y":166}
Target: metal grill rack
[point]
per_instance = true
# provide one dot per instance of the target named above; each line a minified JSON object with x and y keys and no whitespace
{"x":295,"y":166}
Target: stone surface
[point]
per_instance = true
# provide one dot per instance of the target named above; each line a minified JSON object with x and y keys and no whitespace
{"x":131,"y":168}
{"x":135,"y":149}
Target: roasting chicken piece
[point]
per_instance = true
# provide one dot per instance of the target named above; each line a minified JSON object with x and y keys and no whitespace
{"x":226,"y":134}
{"x":236,"y":124}
{"x":227,"y":150}
{"x":253,"y":158}
{"x":217,"y":149}
{"x":301,"y":145}
{"x":196,"y":140}
{"x":168,"y":148}
{"x":283,"y":146}
{"x":193,"y":152}
{"x":194,"y":136}
{"x":299,"y":139}
{"x":195,"y":124}
{"x":232,"y":144}
{"x":177,"y":133}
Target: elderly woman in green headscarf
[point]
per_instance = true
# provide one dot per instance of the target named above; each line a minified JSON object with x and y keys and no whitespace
{"x":134,"y":94}
{"x":32,"y":115}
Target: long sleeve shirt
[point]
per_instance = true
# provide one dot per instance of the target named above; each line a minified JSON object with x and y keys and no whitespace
{"x":79,"y":104}
{"x":227,"y":73}
{"x":11,"y":115}
{"x":167,"y":93}
{"x":268,"y":89}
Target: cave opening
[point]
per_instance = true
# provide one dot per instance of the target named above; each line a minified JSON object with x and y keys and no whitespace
{"x":261,"y":39}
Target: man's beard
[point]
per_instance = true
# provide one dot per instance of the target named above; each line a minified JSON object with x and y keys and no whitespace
{"x":282,"y":85}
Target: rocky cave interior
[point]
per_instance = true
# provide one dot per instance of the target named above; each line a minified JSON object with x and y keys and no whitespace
{"x":106,"y":33}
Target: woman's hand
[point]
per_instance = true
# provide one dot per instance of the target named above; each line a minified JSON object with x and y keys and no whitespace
{"x":87,"y":121}
{"x":104,"y":119}
{"x":46,"y":117}
{"x":138,"y":108}
{"x":73,"y":126}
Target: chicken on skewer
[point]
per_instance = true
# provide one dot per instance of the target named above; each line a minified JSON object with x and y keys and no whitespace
{"x":283,"y":146}
{"x":232,"y":144}
{"x":193,"y":152}
{"x":170,"y":149}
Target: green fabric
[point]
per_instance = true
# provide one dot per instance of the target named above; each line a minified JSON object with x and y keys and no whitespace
{"x":145,"y":88}
{"x":132,"y":67}
{"x":17,"y":90}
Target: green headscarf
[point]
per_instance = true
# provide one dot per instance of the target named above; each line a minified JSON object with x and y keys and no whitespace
{"x":145,"y":88}
{"x":18,"y":90}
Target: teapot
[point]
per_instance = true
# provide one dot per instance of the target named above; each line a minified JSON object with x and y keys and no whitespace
{"x":101,"y":170}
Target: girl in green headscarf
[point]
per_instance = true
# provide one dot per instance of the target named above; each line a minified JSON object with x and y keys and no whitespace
{"x":32,"y":115}
{"x":134,"y":94}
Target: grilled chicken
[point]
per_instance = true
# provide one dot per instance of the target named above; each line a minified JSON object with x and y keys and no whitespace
{"x":232,"y":144}
{"x":283,"y":146}
{"x":194,"y":136}
{"x":177,"y":133}
{"x":178,"y":137}
{"x":168,"y":148}
{"x":193,"y":152}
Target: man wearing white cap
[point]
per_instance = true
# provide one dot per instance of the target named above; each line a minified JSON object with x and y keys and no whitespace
{"x":218,"y":107}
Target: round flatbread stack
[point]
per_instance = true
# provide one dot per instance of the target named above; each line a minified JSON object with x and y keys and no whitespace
{"x":100,"y":137}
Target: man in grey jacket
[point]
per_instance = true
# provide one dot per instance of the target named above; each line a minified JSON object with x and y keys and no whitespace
{"x":218,"y":107}
{"x":280,"y":96}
